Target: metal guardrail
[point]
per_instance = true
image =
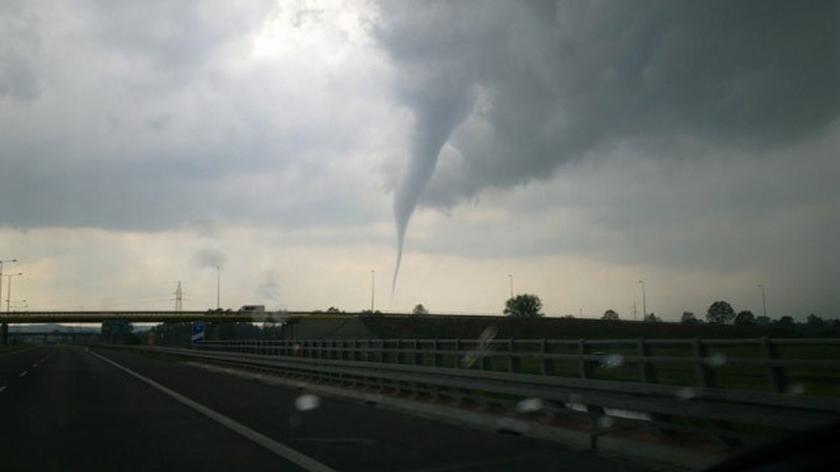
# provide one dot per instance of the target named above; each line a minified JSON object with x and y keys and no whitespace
{"x":509,"y":371}
{"x":541,"y":355}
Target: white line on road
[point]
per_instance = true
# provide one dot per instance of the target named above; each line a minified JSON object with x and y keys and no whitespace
{"x":281,"y":450}
{"x":365,"y":441}
{"x":3,"y":387}
{"x":23,"y":374}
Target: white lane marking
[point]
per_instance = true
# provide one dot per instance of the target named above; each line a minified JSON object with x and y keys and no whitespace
{"x":35,"y":365}
{"x":365,"y":441}
{"x":2,"y":388}
{"x":23,"y":374}
{"x":282,"y":450}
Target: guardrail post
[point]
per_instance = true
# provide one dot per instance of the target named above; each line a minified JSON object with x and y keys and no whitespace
{"x":484,"y":356}
{"x":545,"y":363}
{"x":383,"y":351}
{"x":513,"y":361}
{"x":584,"y":365}
{"x":400,"y":354}
{"x":707,"y":379}
{"x":417,"y":359}
{"x":705,"y":373}
{"x":459,"y":355}
{"x":585,"y":371}
{"x":776,"y":373}
{"x":647,"y":370}
{"x":435,"y":356}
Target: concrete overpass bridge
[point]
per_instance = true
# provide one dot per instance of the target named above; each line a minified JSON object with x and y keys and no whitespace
{"x":55,"y":336}
{"x":138,"y":316}
{"x":134,"y":316}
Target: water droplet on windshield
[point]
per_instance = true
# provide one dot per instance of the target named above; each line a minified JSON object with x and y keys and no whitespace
{"x":530,"y":405}
{"x":716,"y":360}
{"x":687,"y":393}
{"x":307,"y":402}
{"x":484,"y":339}
{"x":605,"y":422}
{"x":488,"y":334}
{"x":469,"y":359}
{"x":612,"y":361}
{"x":796,"y":388}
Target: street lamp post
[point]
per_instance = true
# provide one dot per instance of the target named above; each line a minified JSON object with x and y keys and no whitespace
{"x":644,"y":300}
{"x":372,"y":289}
{"x":9,"y":289}
{"x":1,"y":276}
{"x":510,"y":279}
{"x":763,"y":298}
{"x":218,"y":286}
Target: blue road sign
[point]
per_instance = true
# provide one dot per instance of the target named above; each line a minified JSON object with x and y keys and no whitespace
{"x":198,"y":330}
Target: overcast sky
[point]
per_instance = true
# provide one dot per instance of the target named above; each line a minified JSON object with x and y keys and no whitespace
{"x":579,"y":146}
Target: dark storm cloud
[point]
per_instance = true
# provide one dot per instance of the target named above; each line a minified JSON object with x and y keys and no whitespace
{"x":547,"y":83}
{"x":148,"y":116}
{"x":19,"y":46}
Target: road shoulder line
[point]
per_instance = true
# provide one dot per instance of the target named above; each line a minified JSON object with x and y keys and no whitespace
{"x":282,"y":450}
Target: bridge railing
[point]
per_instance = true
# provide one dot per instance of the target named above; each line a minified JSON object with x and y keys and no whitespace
{"x":668,"y":386}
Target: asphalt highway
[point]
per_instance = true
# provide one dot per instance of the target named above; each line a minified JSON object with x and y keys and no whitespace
{"x":69,"y":408}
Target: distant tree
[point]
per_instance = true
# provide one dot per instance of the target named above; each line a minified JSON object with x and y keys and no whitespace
{"x":568,"y":317}
{"x":419,"y":310}
{"x":745,"y":317}
{"x":524,"y":306}
{"x":786,"y":322}
{"x":610,"y":315}
{"x":333,"y":309}
{"x":720,"y":312}
{"x":762,"y":320}
{"x":652,"y":318}
{"x":688,"y":318}
{"x":815,"y":321}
